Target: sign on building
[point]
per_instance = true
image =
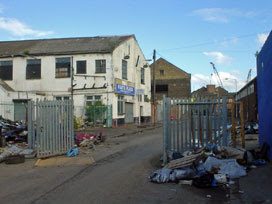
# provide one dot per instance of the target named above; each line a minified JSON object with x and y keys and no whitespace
{"x":123,"y":89}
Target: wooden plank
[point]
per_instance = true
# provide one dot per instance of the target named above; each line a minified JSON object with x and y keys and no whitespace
{"x":233,"y":126}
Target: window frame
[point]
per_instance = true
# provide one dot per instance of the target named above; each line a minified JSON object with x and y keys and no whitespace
{"x":100,"y":69}
{"x":68,"y":69}
{"x":30,"y":67}
{"x":93,"y":99}
{"x":8,"y":64}
{"x":120,"y":105}
{"x":78,"y":71}
{"x":124,"y":69}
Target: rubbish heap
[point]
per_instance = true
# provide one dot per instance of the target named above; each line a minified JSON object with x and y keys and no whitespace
{"x":210,"y":166}
{"x":13,"y":132}
{"x":89,"y":140}
{"x":13,"y":154}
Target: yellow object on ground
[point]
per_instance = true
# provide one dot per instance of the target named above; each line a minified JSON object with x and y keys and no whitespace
{"x":64,"y":161}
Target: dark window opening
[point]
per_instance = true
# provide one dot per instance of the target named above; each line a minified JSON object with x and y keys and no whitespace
{"x":33,"y":69}
{"x":124,"y":69}
{"x":81,"y":67}
{"x":100,"y":66}
{"x":161,"y":72}
{"x":161,"y":88}
{"x":142,"y":76}
{"x":63,"y":65}
{"x":6,"y":70}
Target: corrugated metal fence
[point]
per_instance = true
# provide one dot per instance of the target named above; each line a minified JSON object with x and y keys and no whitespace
{"x":50,"y":127}
{"x":191,"y":124}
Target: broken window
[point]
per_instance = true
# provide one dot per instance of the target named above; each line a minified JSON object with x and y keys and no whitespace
{"x":81,"y":67}
{"x":6,"y":70}
{"x":33,"y":69}
{"x":63,"y":67}
{"x":100,"y":66}
{"x":124,"y":69}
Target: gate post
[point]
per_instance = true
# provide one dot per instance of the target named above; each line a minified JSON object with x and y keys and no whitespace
{"x":30,"y":136}
{"x":164,"y":132}
{"x":224,"y":110}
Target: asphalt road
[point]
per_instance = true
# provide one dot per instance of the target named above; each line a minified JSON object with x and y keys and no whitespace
{"x":122,"y":178}
{"x":119,"y":176}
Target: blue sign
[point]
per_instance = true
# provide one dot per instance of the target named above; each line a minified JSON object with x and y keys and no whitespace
{"x":123,"y":89}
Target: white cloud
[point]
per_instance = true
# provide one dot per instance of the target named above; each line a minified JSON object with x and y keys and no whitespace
{"x":229,"y":81}
{"x":221,"y":15}
{"x":262,"y":38}
{"x":219,"y":57}
{"x":17,"y":28}
{"x":236,"y":72}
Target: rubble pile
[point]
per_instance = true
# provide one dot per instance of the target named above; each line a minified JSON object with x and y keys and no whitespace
{"x":13,"y":132}
{"x":14,"y":150}
{"x":210,"y":166}
{"x":89,"y":141}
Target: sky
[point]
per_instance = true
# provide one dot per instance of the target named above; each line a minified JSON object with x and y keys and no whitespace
{"x":188,"y":33}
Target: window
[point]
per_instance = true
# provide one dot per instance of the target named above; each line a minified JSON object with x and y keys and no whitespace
{"x":120,"y":104}
{"x":33,"y":69}
{"x":59,"y":98}
{"x":63,"y":65}
{"x":91,"y":100}
{"x":124,"y":69}
{"x":140,"y":98}
{"x":146,"y":99}
{"x":142,"y":76}
{"x":6,"y":70}
{"x":81,"y":67}
{"x":161,"y":72}
{"x":100,"y":66}
{"x":161,"y":88}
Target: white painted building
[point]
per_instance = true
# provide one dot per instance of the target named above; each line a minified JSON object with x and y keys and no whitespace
{"x":108,"y":69}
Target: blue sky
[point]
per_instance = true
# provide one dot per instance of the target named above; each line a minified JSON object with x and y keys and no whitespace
{"x":188,"y":33}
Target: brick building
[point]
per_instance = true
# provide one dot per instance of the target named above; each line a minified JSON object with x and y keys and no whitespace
{"x":248,"y":96}
{"x":171,"y":81}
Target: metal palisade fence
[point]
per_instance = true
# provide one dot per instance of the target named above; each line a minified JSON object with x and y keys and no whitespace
{"x":193,"y":123}
{"x":50,"y":127}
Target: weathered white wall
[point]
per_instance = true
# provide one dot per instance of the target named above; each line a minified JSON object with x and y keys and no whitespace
{"x":50,"y":87}
{"x":131,"y":48}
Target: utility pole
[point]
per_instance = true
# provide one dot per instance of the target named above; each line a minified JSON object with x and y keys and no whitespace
{"x":72,"y":79}
{"x":154,"y":85}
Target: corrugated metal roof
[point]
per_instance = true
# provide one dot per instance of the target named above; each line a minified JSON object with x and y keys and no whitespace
{"x":59,"y":46}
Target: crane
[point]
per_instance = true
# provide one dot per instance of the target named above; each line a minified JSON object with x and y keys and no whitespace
{"x":249,"y":76}
{"x":219,"y":81}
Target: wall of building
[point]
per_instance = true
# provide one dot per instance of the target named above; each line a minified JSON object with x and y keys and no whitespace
{"x":264,"y":84}
{"x":177,"y":80}
{"x":131,"y":48}
{"x":89,"y":84}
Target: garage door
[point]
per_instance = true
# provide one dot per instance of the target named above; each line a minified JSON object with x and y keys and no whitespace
{"x":129,"y":113}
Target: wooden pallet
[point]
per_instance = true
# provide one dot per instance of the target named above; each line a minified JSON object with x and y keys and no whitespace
{"x":184,"y":161}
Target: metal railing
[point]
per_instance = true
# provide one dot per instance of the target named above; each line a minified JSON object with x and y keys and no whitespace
{"x":50,"y":127}
{"x":190,"y":124}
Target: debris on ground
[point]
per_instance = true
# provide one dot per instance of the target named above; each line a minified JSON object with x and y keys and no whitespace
{"x":89,"y":141}
{"x":14,"y":150}
{"x":72,"y":152}
{"x":13,"y":131}
{"x":210,"y":166}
